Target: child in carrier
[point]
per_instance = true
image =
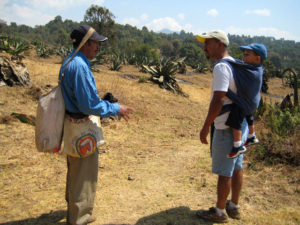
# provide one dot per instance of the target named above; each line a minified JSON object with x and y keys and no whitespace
{"x":254,"y":54}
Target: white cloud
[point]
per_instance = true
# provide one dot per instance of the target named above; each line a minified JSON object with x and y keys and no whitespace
{"x":181,"y":16}
{"x":135,"y":21}
{"x":60,"y":4}
{"x":212,"y":12}
{"x":164,"y":23}
{"x":263,"y":31}
{"x":260,"y":12}
{"x":3,"y":3}
{"x":38,"y":12}
{"x":25,"y":15}
{"x":144,"y":16}
{"x":188,"y":27}
{"x":131,"y":21}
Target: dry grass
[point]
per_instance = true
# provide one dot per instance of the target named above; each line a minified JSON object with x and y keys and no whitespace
{"x":153,"y":169}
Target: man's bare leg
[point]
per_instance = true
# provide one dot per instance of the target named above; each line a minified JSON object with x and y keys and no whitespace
{"x":223,"y":190}
{"x":236,"y":185}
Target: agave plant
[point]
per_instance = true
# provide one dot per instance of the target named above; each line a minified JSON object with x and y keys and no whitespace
{"x":42,"y":50}
{"x":181,"y":65}
{"x":148,"y":62}
{"x":131,"y":59}
{"x":4,"y":43}
{"x":63,"y":52}
{"x":201,"y":68}
{"x":115,"y":63}
{"x":12,"y":46}
{"x":98,"y":60}
{"x":164,"y":74}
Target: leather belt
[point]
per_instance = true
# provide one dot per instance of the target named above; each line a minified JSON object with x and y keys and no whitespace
{"x":79,"y":115}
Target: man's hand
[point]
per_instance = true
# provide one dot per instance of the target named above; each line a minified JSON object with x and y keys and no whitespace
{"x":203,"y":135}
{"x":125,"y":111}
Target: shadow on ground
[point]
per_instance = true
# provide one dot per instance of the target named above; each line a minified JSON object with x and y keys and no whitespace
{"x":176,"y":216}
{"x":52,"y":218}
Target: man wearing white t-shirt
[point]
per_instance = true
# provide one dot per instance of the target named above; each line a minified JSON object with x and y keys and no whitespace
{"x":229,"y":171}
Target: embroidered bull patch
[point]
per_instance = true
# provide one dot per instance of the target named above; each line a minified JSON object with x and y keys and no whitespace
{"x":86,"y":144}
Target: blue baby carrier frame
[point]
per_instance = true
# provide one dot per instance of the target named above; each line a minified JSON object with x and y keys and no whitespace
{"x":248,"y":81}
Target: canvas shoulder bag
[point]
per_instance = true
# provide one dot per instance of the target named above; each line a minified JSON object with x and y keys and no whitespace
{"x":82,"y":136}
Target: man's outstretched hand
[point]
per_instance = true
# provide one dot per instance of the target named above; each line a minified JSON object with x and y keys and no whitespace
{"x":125,"y":111}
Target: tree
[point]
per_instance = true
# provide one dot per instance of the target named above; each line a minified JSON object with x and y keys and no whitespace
{"x":193,"y":53}
{"x":62,"y":37}
{"x":235,"y":51}
{"x":166,"y":49}
{"x":276,"y":60}
{"x":145,"y":52}
{"x":176,"y":45}
{"x":101,"y":19}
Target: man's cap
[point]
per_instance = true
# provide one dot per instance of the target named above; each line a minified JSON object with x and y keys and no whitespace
{"x":79,"y":32}
{"x":258,"y":48}
{"x":218,"y":34}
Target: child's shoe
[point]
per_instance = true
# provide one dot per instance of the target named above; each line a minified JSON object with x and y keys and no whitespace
{"x":235,"y":152}
{"x":252,"y":141}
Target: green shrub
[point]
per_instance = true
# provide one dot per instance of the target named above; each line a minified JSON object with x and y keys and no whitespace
{"x":282,"y":123}
{"x":279,"y":138}
{"x":261,"y":110}
{"x":143,"y":79}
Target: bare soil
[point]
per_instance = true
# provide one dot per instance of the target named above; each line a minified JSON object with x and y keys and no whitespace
{"x":153,"y":170}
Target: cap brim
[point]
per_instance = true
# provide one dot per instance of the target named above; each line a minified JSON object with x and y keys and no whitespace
{"x":201,"y":38}
{"x":246,"y":47}
{"x":98,"y":37}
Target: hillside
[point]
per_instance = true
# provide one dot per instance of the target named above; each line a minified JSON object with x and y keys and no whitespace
{"x":153,"y":170}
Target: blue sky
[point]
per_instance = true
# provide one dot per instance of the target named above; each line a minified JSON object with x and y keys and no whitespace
{"x":276,"y":18}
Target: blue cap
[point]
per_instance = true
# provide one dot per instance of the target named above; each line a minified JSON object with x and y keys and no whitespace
{"x":259,"y":49}
{"x":79,"y":32}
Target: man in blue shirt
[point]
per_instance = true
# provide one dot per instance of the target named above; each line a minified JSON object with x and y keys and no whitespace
{"x":81,"y":99}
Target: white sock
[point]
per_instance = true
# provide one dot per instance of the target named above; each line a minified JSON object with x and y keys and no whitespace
{"x":233,"y":206}
{"x":251,"y":135}
{"x":220,"y":212}
{"x":237,"y":144}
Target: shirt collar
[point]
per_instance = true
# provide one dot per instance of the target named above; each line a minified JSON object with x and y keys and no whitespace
{"x":80,"y":54}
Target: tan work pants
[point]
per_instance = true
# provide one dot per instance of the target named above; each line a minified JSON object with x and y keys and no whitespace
{"x":81,"y":186}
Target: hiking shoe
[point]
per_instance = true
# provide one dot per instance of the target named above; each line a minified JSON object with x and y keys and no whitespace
{"x":233,"y":213}
{"x":91,"y":219}
{"x":211,"y":215}
{"x":252,"y":141}
{"x":235,"y":152}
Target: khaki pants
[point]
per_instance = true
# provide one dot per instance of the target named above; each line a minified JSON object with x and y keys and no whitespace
{"x":81,"y":186}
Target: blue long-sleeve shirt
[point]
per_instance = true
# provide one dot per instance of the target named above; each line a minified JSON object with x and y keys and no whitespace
{"x":79,"y":89}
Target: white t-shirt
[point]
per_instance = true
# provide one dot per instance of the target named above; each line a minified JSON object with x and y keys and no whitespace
{"x":222,"y":81}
